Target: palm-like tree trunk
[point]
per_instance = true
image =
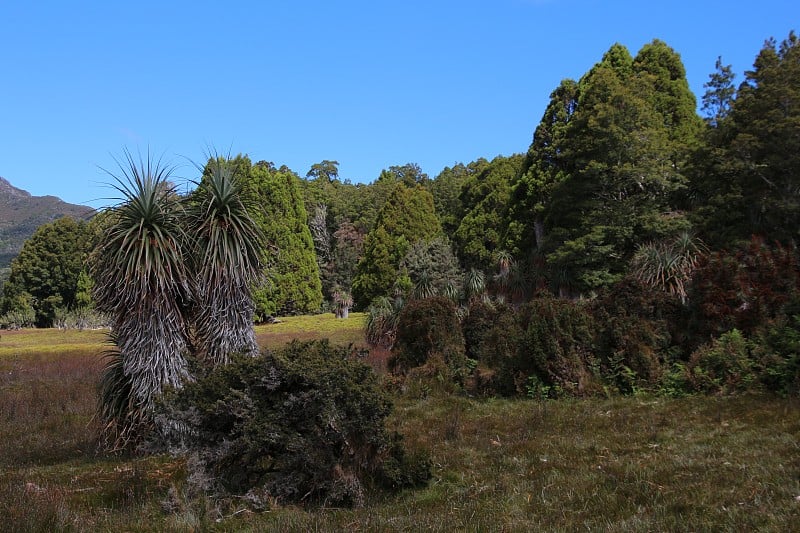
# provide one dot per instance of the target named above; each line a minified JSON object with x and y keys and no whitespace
{"x":226,"y":262}
{"x":140,"y":283}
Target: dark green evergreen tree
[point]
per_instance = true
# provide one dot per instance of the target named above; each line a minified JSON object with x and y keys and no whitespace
{"x":446,"y":191}
{"x":720,"y":93}
{"x":747,"y":176}
{"x":543,"y":168}
{"x":407,"y":216}
{"x":485,"y":197}
{"x":293,"y":283}
{"x":45,"y":274}
{"x":605,"y":167}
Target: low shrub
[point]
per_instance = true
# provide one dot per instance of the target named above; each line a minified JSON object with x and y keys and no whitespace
{"x":380,"y":329}
{"x":304,"y":424}
{"x":18,"y":319}
{"x":776,"y":352}
{"x":479,"y":319}
{"x":633,"y":334}
{"x":428,"y":330}
{"x":80,"y":318}
{"x":491,"y":333}
{"x":555,"y":345}
{"x":723,"y":366}
{"x":744,"y":289}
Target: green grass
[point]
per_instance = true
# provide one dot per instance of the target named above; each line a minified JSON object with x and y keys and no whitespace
{"x":620,"y":464}
{"x":341,"y":331}
{"x":42,"y":342}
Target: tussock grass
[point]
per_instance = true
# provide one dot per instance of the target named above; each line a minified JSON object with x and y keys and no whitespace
{"x":620,"y":464}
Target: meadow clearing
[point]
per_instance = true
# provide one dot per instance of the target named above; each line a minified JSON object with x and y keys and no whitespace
{"x":635,"y":463}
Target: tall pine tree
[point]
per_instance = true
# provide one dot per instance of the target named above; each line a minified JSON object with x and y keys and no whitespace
{"x":293,"y":283}
{"x":407,"y":216}
{"x":747,"y":178}
{"x":606,"y":163}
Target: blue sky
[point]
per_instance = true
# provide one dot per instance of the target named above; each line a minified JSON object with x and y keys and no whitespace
{"x":370,"y":84}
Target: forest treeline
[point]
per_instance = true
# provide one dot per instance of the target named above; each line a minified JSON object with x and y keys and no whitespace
{"x":629,"y":205}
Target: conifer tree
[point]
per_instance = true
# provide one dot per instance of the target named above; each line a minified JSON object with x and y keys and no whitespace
{"x":746,"y":177}
{"x":293,"y":282}
{"x":485,"y":197}
{"x":605,"y":166}
{"x":407,"y":216}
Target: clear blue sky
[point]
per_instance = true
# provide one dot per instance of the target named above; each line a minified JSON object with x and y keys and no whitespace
{"x":368,"y":83}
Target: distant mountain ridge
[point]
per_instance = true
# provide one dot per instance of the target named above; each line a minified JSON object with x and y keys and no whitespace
{"x":21,"y":213}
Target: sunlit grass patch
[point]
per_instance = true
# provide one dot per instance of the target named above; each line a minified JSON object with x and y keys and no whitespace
{"x":338,"y":330}
{"x":27,"y":342}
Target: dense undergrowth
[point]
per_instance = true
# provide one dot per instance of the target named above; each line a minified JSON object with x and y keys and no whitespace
{"x":738,"y":331}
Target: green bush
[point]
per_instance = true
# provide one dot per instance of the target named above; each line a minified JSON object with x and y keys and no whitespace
{"x":18,"y":318}
{"x":675,"y":382}
{"x":492,"y":336}
{"x":304,"y":424}
{"x":428,"y":330}
{"x":556,"y":344}
{"x":723,"y":366}
{"x":634,"y":336}
{"x":475,"y":327}
{"x":776,"y":351}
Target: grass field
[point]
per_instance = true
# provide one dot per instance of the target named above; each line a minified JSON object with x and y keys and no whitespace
{"x":619,"y":464}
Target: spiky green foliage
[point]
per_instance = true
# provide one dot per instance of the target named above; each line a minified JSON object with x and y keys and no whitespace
{"x":474,"y":285}
{"x":381,"y":325}
{"x":342,"y":302}
{"x":668,"y":265}
{"x":123,"y":419}
{"x":432,"y":267}
{"x":142,"y":281}
{"x":225,"y":258}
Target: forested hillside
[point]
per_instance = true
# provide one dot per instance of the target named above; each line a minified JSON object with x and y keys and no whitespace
{"x":21,"y":214}
{"x":620,"y":165}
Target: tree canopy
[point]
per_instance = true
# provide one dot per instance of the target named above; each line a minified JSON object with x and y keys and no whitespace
{"x":746,"y":180}
{"x":293,"y":284}
{"x":605,"y":165}
{"x":46,"y":272}
{"x":407,"y":216}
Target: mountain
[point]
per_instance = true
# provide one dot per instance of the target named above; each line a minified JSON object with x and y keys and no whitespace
{"x":21,"y":214}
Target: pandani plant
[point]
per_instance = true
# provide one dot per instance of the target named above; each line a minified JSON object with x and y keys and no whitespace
{"x":225,"y":257}
{"x":175,"y":275}
{"x":142,"y":284}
